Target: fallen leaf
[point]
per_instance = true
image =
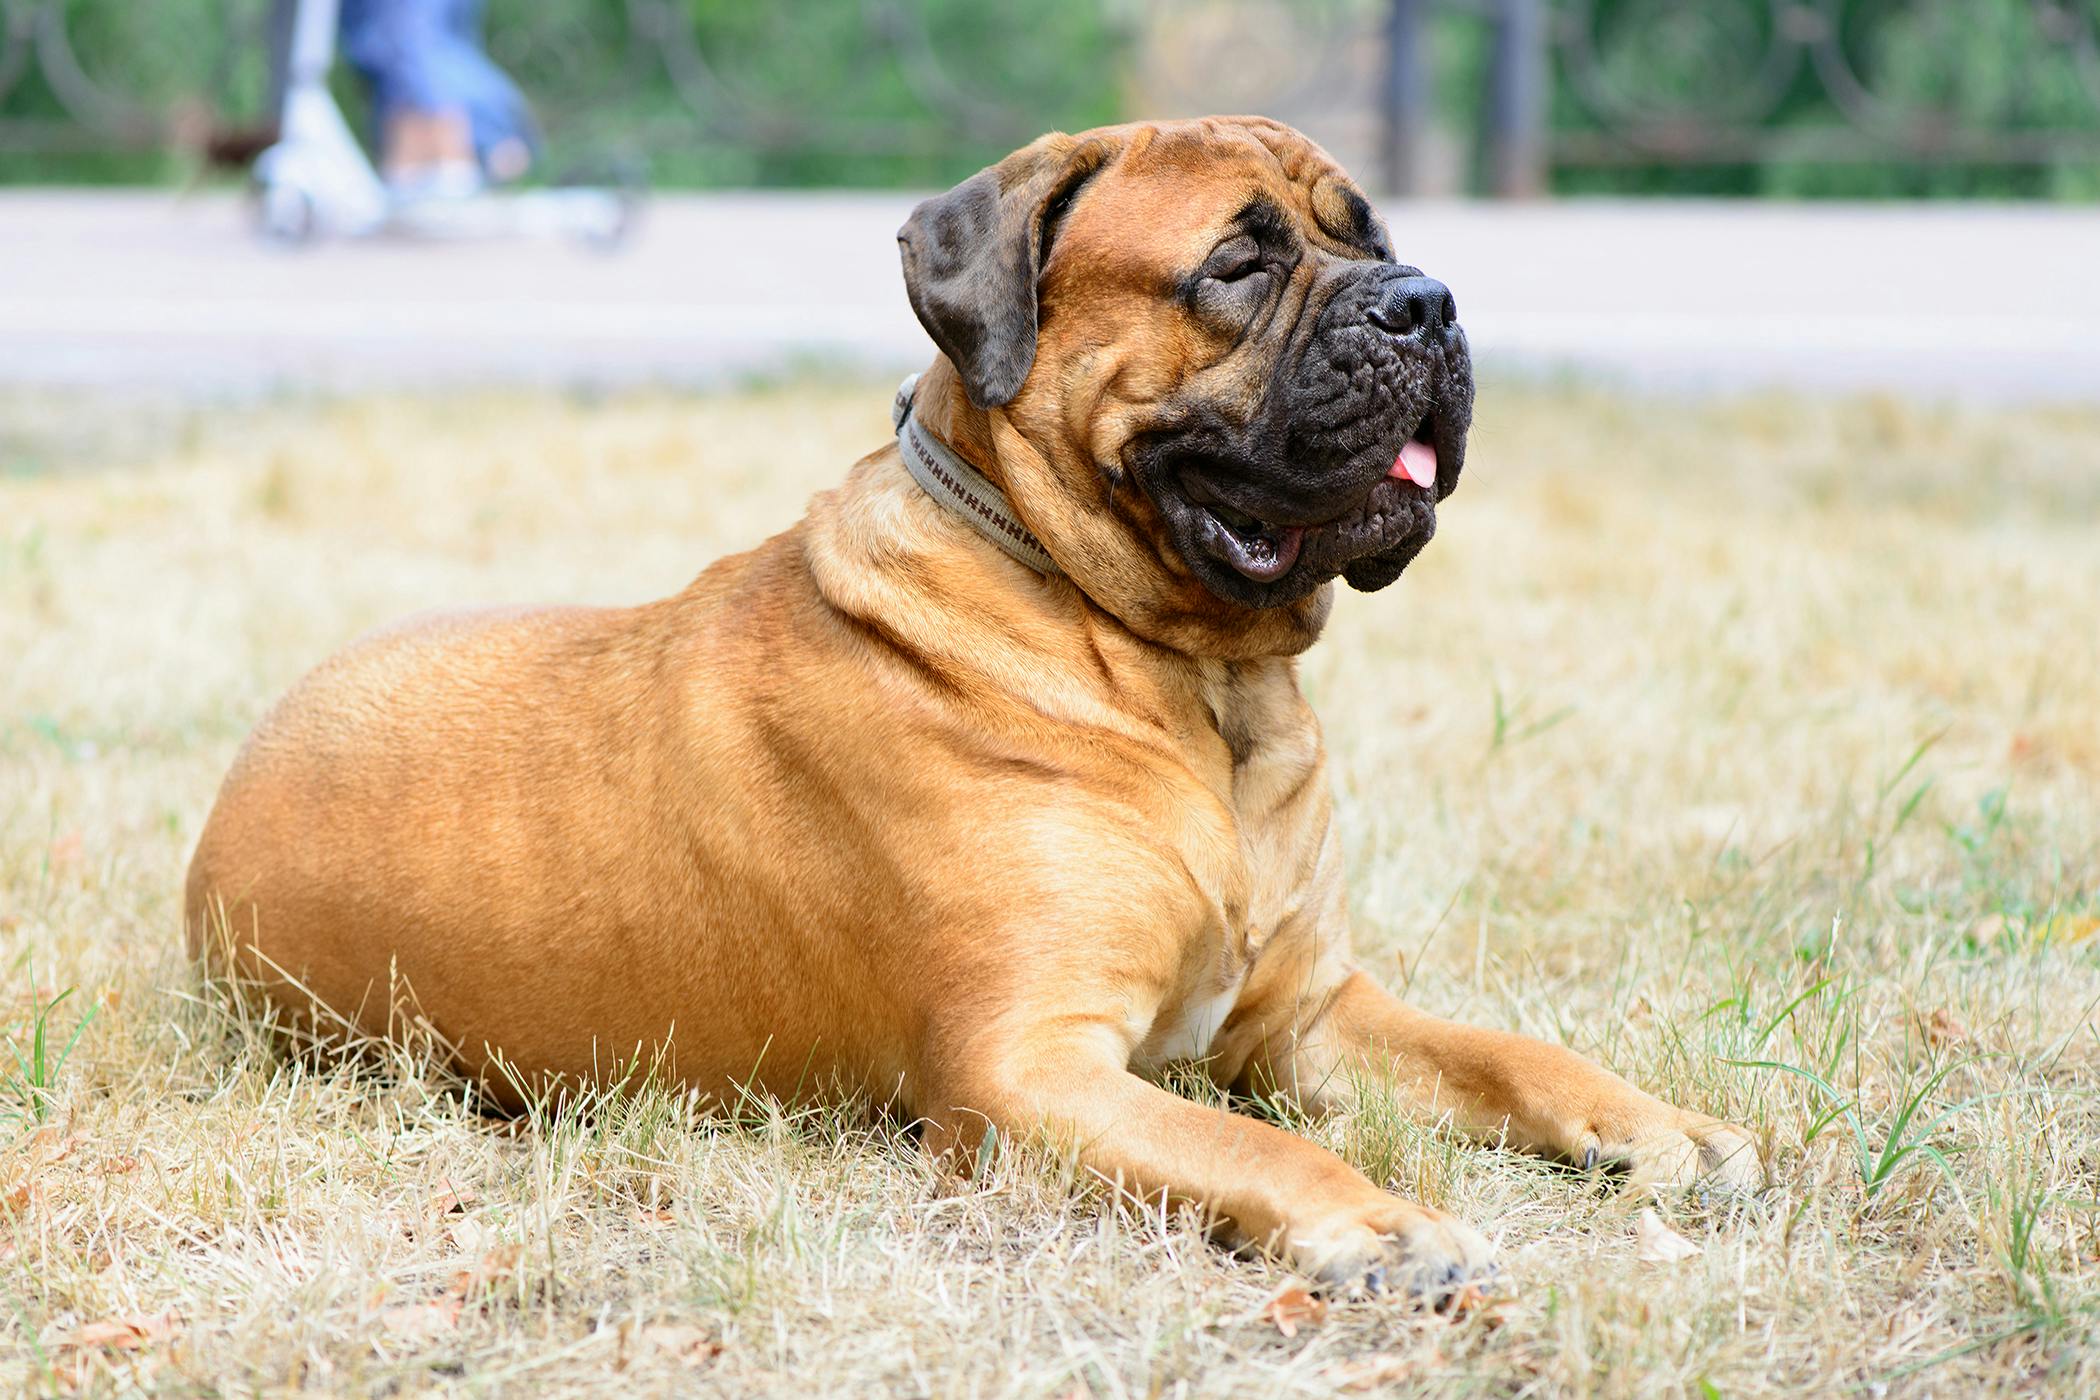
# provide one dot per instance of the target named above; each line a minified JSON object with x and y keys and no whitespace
{"x":472,"y":1237}
{"x":1658,"y":1243}
{"x":682,"y":1342}
{"x":47,"y":1146}
{"x":1294,"y":1308}
{"x":117,"y":1166}
{"x":2067,"y":928}
{"x":2043,"y":933}
{"x":453,"y":1199}
{"x":477,"y":1277}
{"x":1370,"y":1372}
{"x":120,"y":1333}
{"x":51,"y":1144}
{"x":1467,"y":1298}
{"x":68,"y":849}
{"x":1943,"y":1029}
{"x":413,"y":1320}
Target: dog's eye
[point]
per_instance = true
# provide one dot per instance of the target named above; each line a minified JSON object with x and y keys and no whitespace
{"x":1233,"y":260}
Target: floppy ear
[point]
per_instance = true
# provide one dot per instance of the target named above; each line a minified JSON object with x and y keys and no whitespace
{"x":972,"y":256}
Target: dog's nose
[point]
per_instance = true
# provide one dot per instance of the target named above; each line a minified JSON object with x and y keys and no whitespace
{"x":1414,"y":304}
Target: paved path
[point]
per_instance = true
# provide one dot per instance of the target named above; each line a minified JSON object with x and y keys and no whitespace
{"x":155,"y":292}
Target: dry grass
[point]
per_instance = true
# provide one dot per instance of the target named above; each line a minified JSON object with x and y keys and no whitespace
{"x":1758,"y":732}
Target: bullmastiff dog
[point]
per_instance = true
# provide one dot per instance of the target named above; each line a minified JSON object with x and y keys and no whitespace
{"x":987,"y":790}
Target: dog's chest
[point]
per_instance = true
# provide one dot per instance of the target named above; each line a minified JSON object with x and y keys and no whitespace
{"x":1274,"y":872}
{"x":1187,"y":1031}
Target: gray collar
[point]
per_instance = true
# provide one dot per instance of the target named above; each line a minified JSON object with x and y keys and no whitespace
{"x":961,"y":487}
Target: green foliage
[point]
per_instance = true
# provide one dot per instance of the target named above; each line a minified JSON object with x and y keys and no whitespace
{"x":1930,"y":69}
{"x":921,"y":92}
{"x":29,"y":1082}
{"x":822,"y":92}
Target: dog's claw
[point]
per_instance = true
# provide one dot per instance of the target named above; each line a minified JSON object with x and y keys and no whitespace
{"x":1414,"y":1252}
{"x":1673,"y":1148}
{"x":1461,"y":1287}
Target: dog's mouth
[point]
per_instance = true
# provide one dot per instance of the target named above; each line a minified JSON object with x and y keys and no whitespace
{"x":1337,"y":469}
{"x":1256,"y":549}
{"x":1263,"y":551}
{"x":1255,"y":544}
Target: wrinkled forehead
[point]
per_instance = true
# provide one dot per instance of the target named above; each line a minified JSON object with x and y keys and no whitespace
{"x":1173,"y":191}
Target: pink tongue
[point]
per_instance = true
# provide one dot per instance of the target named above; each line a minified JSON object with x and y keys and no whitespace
{"x":1416,"y":462}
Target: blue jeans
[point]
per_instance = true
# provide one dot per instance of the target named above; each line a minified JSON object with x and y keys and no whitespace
{"x":426,"y":56}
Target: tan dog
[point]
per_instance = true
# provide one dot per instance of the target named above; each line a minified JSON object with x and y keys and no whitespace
{"x":880,"y":807}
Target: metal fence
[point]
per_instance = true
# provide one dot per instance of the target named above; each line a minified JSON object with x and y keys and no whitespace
{"x":853,"y":78}
{"x":1514,"y":96}
{"x":1872,"y":98}
{"x":1507,"y":96}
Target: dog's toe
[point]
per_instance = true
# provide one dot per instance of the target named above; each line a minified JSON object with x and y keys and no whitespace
{"x":1727,"y":1156}
{"x":1682,"y":1150}
{"x":1410,"y":1251}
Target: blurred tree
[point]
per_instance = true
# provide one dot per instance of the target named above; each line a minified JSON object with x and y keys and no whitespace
{"x":820,"y":92}
{"x":1865,"y":98}
{"x":921,"y":92}
{"x":710,"y":92}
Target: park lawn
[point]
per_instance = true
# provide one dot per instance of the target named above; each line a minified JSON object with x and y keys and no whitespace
{"x":1753,"y":748}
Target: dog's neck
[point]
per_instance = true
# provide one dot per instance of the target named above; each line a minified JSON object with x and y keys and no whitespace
{"x":944,"y":410}
{"x":952,"y":480}
{"x":1088,"y":536}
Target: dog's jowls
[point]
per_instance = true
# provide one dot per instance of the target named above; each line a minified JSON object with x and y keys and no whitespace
{"x":875,"y":808}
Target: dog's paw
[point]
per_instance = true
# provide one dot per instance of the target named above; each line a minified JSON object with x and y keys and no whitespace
{"x":1401,"y":1248}
{"x":1668,"y":1147}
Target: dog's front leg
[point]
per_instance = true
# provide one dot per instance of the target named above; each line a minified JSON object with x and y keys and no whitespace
{"x":1267,"y":1187}
{"x":1496,"y":1085}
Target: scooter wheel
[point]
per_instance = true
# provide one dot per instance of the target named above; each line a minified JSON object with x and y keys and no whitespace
{"x":285,"y":215}
{"x":611,"y":235}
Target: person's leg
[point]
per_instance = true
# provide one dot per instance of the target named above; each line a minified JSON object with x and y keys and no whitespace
{"x":440,"y":105}
{"x":422,"y":146}
{"x":503,"y":132}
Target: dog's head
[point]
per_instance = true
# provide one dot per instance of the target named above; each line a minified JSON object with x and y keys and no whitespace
{"x":1209,"y":387}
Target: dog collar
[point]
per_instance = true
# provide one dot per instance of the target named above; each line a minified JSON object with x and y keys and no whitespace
{"x":961,"y":487}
